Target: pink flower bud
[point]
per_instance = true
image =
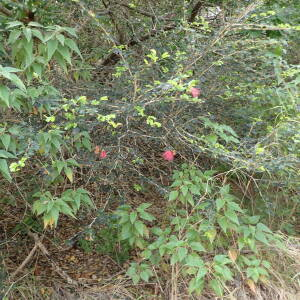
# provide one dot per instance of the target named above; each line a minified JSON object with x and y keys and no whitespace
{"x":103,"y":154}
{"x":168,"y":155}
{"x":195,"y":92}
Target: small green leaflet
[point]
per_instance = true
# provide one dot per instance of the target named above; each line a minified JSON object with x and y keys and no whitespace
{"x":173,"y":195}
{"x":4,"y":169}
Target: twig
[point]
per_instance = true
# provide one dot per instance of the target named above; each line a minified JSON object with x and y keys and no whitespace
{"x":55,"y":266}
{"x":26,"y":260}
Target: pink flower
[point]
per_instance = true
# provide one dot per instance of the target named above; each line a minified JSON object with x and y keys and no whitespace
{"x":195,"y":92}
{"x":103,"y":154}
{"x":168,"y":155}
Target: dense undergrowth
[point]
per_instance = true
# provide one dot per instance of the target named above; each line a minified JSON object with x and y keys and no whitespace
{"x":169,"y":130}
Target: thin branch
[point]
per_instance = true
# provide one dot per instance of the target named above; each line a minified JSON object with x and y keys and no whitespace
{"x":55,"y":266}
{"x":25,"y":262}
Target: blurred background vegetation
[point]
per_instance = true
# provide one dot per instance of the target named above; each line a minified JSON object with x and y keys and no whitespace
{"x":93,"y":93}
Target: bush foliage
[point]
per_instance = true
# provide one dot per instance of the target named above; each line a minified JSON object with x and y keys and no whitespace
{"x":183,"y":115}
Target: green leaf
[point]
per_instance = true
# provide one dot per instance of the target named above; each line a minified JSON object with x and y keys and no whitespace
{"x":59,"y":165}
{"x":211,"y":234}
{"x":212,"y":138}
{"x":13,"y":24}
{"x":217,"y":287}
{"x":231,"y":215}
{"x":49,"y":205}
{"x":190,"y":271}
{"x":176,"y":183}
{"x":51,"y":48}
{"x":220,"y":202}
{"x":4,"y":94}
{"x":87,"y":200}
{"x":222,"y":259}
{"x":13,"y":36}
{"x":174,"y":259}
{"x":17,"y":81}
{"x":28,"y":46}
{"x":65,"y":208}
{"x":35,"y":24}
{"x":55,"y":141}
{"x":61,"y":61}
{"x":173,"y":195}
{"x":5,"y":139}
{"x":261,"y":236}
{"x":28,"y":34}
{"x":71,"y":31}
{"x":133,"y":217}
{"x":38,"y":207}
{"x":253,"y":219}
{"x":234,"y":206}
{"x":5,"y":154}
{"x":143,"y":206}
{"x":146,"y":253}
{"x":72,"y":45}
{"x":146,"y":216}
{"x":54,"y":213}
{"x":225,"y":190}
{"x":194,"y":260}
{"x":201,"y":272}
{"x":253,"y":273}
{"x":263,"y":227}
{"x":69,"y":173}
{"x":196,"y":285}
{"x":72,"y":162}
{"x":197,"y":246}
{"x":262,"y":271}
{"x":190,"y":199}
{"x":126,"y":231}
{"x":182,"y":252}
{"x":184,"y":190}
{"x":65,"y":53}
{"x":38,"y":34}
{"x":224,"y":272}
{"x":195,"y":189}
{"x":61,"y":39}
{"x":87,"y":144}
{"x":139,"y":226}
{"x":157,"y":231}
{"x":4,"y":170}
{"x":37,"y":68}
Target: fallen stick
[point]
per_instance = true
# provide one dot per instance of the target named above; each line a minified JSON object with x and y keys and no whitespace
{"x":26,"y":260}
{"x":55,"y":266}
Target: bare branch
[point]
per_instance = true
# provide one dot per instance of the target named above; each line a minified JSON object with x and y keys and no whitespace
{"x":55,"y":266}
{"x":26,"y":260}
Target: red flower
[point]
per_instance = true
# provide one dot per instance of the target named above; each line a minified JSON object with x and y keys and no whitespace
{"x":103,"y":154}
{"x":168,"y":155}
{"x":195,"y":92}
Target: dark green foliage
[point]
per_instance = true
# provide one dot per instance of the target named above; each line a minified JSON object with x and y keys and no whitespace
{"x":89,"y":101}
